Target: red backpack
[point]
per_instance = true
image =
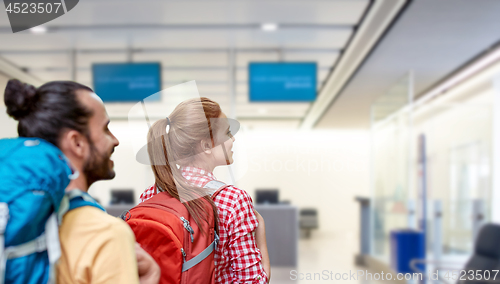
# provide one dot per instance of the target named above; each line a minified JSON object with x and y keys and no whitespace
{"x":165,"y":229}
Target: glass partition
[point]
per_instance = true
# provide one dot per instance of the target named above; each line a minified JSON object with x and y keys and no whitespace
{"x":391,"y":133}
{"x":459,"y":152}
{"x":458,"y":131}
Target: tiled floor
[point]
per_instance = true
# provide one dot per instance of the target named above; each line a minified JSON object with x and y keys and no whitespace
{"x":328,"y":254}
{"x":322,"y":256}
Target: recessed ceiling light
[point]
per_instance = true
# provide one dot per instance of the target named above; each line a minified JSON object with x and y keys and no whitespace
{"x":269,"y":27}
{"x":38,"y":30}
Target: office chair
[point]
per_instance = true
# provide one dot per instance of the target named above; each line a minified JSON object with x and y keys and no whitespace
{"x":308,"y":220}
{"x":484,"y":262}
{"x":486,"y":256}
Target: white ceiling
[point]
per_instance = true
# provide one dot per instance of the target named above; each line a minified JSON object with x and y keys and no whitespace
{"x":192,"y":40}
{"x":432,"y":39}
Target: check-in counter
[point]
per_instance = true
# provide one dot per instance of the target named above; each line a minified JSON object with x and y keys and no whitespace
{"x":282,"y":233}
{"x":118,"y":209}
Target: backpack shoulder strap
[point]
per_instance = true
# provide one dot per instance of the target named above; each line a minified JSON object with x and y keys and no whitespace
{"x":215,"y":187}
{"x":47,"y":241}
{"x":202,"y":255}
{"x":4,"y":218}
{"x":77,"y":198}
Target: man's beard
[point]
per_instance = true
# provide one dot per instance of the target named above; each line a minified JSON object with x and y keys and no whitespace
{"x":97,"y":167}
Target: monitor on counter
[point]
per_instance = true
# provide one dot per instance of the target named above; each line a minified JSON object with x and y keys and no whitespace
{"x":267,"y":196}
{"x":282,"y":81}
{"x":122,"y":196}
{"x":127,"y":82}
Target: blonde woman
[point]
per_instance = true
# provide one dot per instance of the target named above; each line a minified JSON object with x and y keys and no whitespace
{"x":193,"y":140}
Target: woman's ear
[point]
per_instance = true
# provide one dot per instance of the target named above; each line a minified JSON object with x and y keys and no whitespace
{"x":205,"y":146}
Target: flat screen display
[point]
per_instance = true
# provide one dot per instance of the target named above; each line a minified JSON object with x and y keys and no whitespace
{"x":127,"y":82}
{"x":267,"y":196}
{"x":122,"y":196}
{"x":282,"y":82}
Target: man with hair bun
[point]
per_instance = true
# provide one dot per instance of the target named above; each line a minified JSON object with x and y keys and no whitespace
{"x":96,"y":247}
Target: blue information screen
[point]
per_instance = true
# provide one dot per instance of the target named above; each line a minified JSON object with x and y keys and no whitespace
{"x":282,"y":82}
{"x":127,"y":82}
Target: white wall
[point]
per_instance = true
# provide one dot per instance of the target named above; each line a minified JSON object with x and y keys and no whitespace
{"x":8,"y":126}
{"x":129,"y":173}
{"x":320,"y":169}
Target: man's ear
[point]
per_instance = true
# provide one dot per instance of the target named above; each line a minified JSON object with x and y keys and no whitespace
{"x":205,"y":146}
{"x":75,"y":143}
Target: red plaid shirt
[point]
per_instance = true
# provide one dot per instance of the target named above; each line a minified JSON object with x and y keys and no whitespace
{"x":237,"y":258}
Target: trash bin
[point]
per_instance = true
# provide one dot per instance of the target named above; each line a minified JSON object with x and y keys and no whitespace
{"x":407,"y":245}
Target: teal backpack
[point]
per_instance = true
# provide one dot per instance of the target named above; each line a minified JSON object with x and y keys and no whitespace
{"x":33,"y":177}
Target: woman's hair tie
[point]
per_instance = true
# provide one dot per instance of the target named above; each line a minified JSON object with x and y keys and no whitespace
{"x":168,"y":125}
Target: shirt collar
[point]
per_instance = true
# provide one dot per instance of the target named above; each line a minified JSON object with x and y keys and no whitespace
{"x":194,"y":171}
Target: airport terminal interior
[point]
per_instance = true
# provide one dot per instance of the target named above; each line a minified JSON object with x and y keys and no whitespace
{"x":369,"y":134}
